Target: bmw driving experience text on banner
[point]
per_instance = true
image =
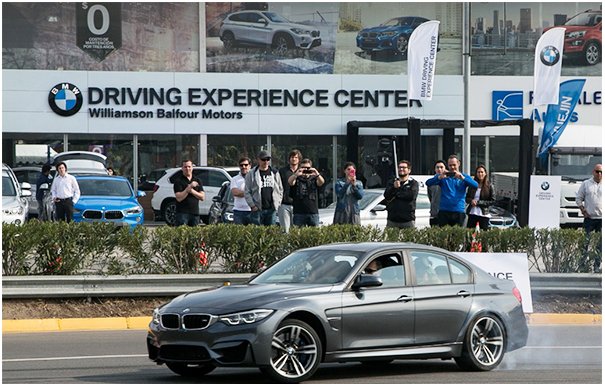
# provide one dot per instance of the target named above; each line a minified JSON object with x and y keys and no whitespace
{"x":422,"y":59}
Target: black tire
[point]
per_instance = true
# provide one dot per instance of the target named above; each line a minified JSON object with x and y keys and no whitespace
{"x":296,"y":352}
{"x":169,"y":212}
{"x":402,"y":45}
{"x":592,"y":53}
{"x":484,"y":344}
{"x":191,"y":370}
{"x":282,"y":43}
{"x":228,"y":40}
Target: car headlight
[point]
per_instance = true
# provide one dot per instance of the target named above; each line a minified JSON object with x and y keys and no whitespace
{"x":16,"y":210}
{"x":300,"y":31}
{"x":576,"y":34}
{"x":247,"y":317}
{"x":155,"y":317}
{"x":134,"y":211}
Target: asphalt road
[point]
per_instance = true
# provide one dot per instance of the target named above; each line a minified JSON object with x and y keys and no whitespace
{"x":555,"y":354}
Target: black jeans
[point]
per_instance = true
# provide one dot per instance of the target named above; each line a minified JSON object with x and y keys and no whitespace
{"x":450,"y":218}
{"x":64,"y":209}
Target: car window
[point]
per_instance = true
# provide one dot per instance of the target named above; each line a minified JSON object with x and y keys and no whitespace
{"x":461,"y":274}
{"x":104,"y":187}
{"x":422,"y":201}
{"x":215,"y":179}
{"x":8,"y":188}
{"x":389,"y":268}
{"x":252,"y":17}
{"x":27,"y":176}
{"x":430,"y":268}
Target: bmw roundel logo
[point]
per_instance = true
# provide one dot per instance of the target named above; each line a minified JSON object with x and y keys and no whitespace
{"x":545,"y":186}
{"x":65,"y":99}
{"x":550,"y":55}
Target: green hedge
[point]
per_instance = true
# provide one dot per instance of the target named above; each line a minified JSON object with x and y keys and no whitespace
{"x":45,"y":248}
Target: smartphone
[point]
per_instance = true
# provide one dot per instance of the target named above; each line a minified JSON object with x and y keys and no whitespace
{"x":450,"y":174}
{"x":307,"y":171}
{"x":351,"y":172}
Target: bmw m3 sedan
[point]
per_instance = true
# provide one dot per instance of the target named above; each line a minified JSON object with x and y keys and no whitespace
{"x":345,"y":302}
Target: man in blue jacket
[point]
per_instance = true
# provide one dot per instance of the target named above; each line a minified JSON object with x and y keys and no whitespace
{"x":453,"y":191}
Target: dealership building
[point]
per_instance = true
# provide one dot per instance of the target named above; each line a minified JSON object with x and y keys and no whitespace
{"x":151,"y":84}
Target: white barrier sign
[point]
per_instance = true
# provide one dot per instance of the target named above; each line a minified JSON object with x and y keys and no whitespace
{"x":544,"y":201}
{"x":509,"y":266}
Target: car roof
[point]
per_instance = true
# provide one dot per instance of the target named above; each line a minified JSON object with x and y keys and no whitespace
{"x":99,"y":177}
{"x":376,"y":246}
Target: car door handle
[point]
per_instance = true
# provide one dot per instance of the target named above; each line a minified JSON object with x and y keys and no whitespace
{"x":405,"y":298}
{"x":464,"y":293}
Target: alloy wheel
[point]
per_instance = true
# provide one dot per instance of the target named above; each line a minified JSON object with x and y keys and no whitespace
{"x":592,"y":54}
{"x":487,"y":341}
{"x":295,"y":351}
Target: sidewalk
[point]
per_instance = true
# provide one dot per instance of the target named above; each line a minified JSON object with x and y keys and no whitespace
{"x":141,"y":323}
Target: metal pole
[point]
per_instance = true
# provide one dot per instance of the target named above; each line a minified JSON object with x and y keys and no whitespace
{"x":466,"y":54}
{"x":395,"y":157}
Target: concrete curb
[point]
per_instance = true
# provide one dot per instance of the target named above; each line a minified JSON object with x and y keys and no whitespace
{"x":141,"y":323}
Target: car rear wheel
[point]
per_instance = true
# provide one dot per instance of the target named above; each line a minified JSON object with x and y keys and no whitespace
{"x":190,"y":370}
{"x":484,"y":345}
{"x":281,"y":44}
{"x":170,"y":213}
{"x":295,"y":352}
{"x":228,"y":40}
{"x":592,"y":53}
{"x":402,"y":45}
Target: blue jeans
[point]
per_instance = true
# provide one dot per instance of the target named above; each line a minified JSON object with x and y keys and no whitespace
{"x":242,"y":217}
{"x":187,"y":219}
{"x":306,"y":219}
{"x":591,"y":225}
{"x":263,"y":217}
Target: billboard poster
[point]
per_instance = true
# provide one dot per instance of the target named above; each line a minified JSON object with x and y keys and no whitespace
{"x":271,"y":37}
{"x":373,"y":37}
{"x":99,"y":28}
{"x":504,"y":36}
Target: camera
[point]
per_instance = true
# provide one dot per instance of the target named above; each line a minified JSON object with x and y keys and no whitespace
{"x":450,"y":174}
{"x":307,"y":171}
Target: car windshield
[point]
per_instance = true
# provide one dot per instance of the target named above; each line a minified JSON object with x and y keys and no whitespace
{"x":8,"y":187}
{"x":585,"y":19}
{"x":311,"y":266}
{"x":400,"y":21}
{"x":274,"y":17}
{"x":104,"y":187}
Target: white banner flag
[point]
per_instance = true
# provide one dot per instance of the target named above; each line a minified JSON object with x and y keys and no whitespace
{"x":422,"y":58}
{"x":547,"y":66}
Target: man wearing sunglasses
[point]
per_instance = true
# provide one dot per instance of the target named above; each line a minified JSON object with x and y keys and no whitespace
{"x":241,"y":209}
{"x":263,"y":191}
{"x":589,"y":199}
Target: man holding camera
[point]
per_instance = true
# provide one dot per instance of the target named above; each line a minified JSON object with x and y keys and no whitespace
{"x":401,"y":196}
{"x":304,"y":186}
{"x":453,"y":192}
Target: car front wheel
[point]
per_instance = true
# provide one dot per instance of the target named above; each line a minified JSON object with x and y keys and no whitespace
{"x":592,"y":53}
{"x":295,"y":352}
{"x":190,"y":370}
{"x":170,"y":213}
{"x":228,"y":40}
{"x":484,"y":345}
{"x":281,"y":44}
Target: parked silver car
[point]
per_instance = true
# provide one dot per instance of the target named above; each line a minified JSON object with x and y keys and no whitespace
{"x":347,"y":302}
{"x":14,"y":197}
{"x":267,"y":29}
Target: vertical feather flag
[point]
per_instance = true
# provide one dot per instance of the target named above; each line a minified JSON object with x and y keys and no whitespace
{"x":422,"y":58}
{"x":547,"y":66}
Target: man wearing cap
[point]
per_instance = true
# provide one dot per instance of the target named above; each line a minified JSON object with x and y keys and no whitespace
{"x":264,"y":191}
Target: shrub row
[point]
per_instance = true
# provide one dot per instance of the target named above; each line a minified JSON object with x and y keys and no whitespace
{"x":50,"y":248}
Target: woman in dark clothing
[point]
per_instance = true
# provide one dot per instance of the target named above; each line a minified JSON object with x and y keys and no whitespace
{"x":479,"y":200}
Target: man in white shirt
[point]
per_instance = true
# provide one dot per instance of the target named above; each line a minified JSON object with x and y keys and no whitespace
{"x":241,"y":209}
{"x":589,"y":199}
{"x":65,"y":193}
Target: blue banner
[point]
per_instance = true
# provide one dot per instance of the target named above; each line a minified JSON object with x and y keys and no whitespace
{"x":558,"y":115}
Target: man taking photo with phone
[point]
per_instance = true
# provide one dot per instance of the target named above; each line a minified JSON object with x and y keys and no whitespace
{"x":453,"y":185}
{"x":304,"y":191}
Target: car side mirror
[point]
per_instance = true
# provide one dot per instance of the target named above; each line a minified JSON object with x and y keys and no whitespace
{"x":141,"y":194}
{"x":26,"y":193}
{"x":44,"y":187}
{"x":366,"y":280}
{"x":26,"y":185}
{"x":262,"y":21}
{"x":216,"y":199}
{"x":379,"y":208}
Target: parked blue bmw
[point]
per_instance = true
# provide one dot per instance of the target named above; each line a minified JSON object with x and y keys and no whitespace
{"x":108,"y":199}
{"x":392,"y":35}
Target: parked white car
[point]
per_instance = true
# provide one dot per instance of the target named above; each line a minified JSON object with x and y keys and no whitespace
{"x":29,"y":175}
{"x":14,"y":198}
{"x":267,"y":29}
{"x":163,"y":201}
{"x":373,"y":210}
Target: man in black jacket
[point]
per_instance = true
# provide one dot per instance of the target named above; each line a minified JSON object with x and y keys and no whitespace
{"x":401,"y":198}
